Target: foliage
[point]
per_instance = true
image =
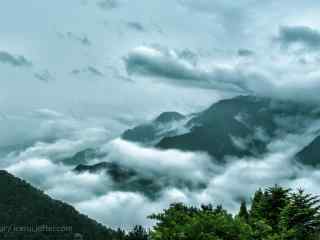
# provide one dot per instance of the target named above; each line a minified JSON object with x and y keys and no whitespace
{"x":21,"y":205}
{"x":182,"y":222}
{"x":138,"y":233}
{"x":243,"y":212}
{"x":276,"y":214}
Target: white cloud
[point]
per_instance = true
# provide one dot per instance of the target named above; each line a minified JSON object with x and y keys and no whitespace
{"x":95,"y":195}
{"x":59,"y":181}
{"x":273,"y":75}
{"x":172,"y":164}
{"x":168,"y":65}
{"x":64,"y":148}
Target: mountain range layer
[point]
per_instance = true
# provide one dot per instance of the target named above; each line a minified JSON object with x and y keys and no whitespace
{"x":242,"y":126}
{"x":184,"y":154}
{"x":228,"y":130}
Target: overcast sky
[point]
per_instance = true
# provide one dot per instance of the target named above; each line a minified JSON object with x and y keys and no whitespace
{"x":125,"y":57}
{"x":77,"y":73}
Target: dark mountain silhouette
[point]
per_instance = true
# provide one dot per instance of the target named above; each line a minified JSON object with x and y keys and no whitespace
{"x":166,"y":124}
{"x":124,"y":179}
{"x":129,"y":179}
{"x":21,"y":205}
{"x":117,"y":172}
{"x":83,"y":157}
{"x":169,"y":117}
{"x":241,"y":126}
{"x":215,"y":129}
{"x":310,"y":155}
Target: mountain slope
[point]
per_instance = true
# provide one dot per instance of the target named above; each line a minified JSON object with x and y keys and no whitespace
{"x":166,"y":124}
{"x":216,"y":129}
{"x":241,"y":126}
{"x":129,"y":179}
{"x":310,"y":155}
{"x":22,"y":205}
{"x":169,"y":117}
{"x":83,"y":157}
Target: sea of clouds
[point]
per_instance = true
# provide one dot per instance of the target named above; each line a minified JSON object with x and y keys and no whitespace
{"x":41,"y":164}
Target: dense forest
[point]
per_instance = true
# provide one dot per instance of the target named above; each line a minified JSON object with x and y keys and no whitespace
{"x":276,"y":213}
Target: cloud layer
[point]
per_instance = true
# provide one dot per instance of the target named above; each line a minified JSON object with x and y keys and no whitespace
{"x":273,"y":76}
{"x":304,"y":35}
{"x":16,"y":61}
{"x":95,"y":193}
{"x":179,"y":70}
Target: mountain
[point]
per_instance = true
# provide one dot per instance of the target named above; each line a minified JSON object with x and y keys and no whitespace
{"x":129,"y":179}
{"x":310,"y":155}
{"x":21,"y":205}
{"x":241,"y":126}
{"x":83,"y":157}
{"x":167,"y":117}
{"x":117,"y":172}
{"x":124,"y":179}
{"x":166,"y":124}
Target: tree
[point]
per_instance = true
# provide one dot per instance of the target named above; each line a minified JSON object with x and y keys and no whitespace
{"x":173,"y":222}
{"x":300,"y":219}
{"x":276,"y":214}
{"x":243,"y":212}
{"x":138,"y":233}
{"x":256,"y":211}
{"x":206,"y":223}
{"x":273,"y":201}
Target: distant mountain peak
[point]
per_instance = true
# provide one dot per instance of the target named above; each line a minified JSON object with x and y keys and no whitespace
{"x":166,"y":117}
{"x":166,"y":124}
{"x":250,"y":120}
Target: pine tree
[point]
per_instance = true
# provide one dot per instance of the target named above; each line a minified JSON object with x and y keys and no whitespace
{"x":255,"y":212}
{"x":301,"y":217}
{"x":243,"y":212}
{"x":208,"y":207}
{"x":274,"y":200}
{"x":276,"y":214}
{"x":219,"y":210}
{"x":138,"y":233}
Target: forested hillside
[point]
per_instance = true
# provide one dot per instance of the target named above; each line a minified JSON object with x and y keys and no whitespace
{"x":27,"y":213}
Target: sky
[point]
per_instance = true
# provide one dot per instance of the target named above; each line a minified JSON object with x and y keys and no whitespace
{"x":77,"y":73}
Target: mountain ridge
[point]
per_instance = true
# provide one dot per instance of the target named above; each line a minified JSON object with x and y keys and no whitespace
{"x":240,"y":126}
{"x":22,"y":205}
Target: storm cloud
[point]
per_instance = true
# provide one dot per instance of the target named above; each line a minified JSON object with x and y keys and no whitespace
{"x":304,"y":35}
{"x":180,"y":70}
{"x":136,"y":26}
{"x":107,"y":4}
{"x":80,"y":38}
{"x":278,"y":77}
{"x":245,"y":52}
{"x":44,"y":76}
{"x":16,"y":61}
{"x":93,"y":71}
